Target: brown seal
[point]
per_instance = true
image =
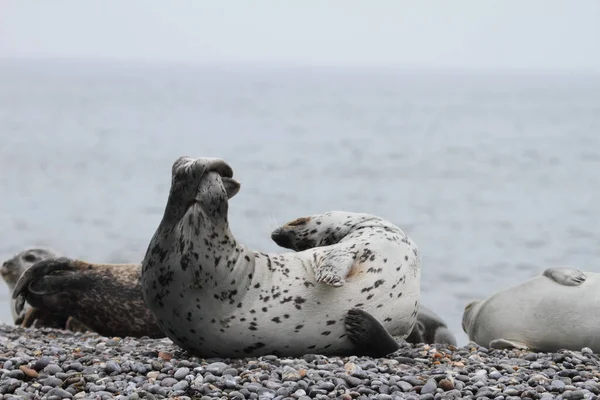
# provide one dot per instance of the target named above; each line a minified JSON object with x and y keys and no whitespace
{"x":106,"y":298}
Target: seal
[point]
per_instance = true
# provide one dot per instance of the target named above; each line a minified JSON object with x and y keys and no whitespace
{"x":11,"y":271}
{"x":321,"y":230}
{"x":558,"y":309}
{"x":213,"y":296}
{"x":430,"y":329}
{"x":104,"y":298}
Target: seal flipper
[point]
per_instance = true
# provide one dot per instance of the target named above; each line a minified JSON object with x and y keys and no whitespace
{"x":416,"y":335}
{"x":502,"y":344}
{"x":334,"y":267}
{"x":368,"y":335}
{"x":565,"y":276}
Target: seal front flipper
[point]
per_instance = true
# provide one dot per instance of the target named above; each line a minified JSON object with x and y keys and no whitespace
{"x":332,"y":269}
{"x":502,"y":344}
{"x":566,"y":276}
{"x":368,"y":335}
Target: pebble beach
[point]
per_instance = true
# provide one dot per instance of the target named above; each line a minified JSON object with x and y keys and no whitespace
{"x":54,"y":364}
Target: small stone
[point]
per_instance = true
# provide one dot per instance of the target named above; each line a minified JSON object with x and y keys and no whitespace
{"x":181,"y":385}
{"x":17,"y":374}
{"x":60,"y":393}
{"x":168,"y":382}
{"x":235,"y":395}
{"x":216,"y":368}
{"x":404,"y":386}
{"x":264,"y":393}
{"x":112,"y":366}
{"x":429,"y":387}
{"x":446,"y":385}
{"x":557,"y":386}
{"x":53,"y":381}
{"x":40,"y":364}
{"x":181,"y":373}
{"x":52,"y":369}
{"x":573,"y":395}
{"x":290,"y":374}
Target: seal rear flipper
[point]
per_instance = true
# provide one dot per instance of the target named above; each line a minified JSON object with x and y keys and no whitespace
{"x":416,"y":335}
{"x":502,"y":344}
{"x":368,"y":335}
{"x":566,"y":276}
{"x":47,"y":271}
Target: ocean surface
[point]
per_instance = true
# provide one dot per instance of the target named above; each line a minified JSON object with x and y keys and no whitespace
{"x":495,"y":176}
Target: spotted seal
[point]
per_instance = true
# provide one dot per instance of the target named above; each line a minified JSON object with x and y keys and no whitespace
{"x":215,"y":297}
{"x":105,"y":298}
{"x":558,"y":309}
{"x":11,"y":271}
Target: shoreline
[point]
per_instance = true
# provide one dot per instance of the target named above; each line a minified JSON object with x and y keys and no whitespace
{"x":56,"y":364}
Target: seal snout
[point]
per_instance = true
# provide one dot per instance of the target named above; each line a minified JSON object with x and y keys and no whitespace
{"x":5,"y":269}
{"x":282,"y":239}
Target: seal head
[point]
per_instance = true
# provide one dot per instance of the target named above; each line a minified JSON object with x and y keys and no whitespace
{"x":11,"y":271}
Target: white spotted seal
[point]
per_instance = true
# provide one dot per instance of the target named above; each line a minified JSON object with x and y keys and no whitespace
{"x":104,"y":298}
{"x":11,"y":271}
{"x":215,"y":297}
{"x":558,"y":309}
{"x":430,"y":328}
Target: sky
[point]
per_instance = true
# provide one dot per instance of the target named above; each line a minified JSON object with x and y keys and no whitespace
{"x":462,"y":34}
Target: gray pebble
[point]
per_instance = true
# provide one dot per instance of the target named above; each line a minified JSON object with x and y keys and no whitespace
{"x":216,"y":368}
{"x":168,"y":382}
{"x":429,"y":387}
{"x":181,"y":373}
{"x":52,"y":369}
{"x":60,"y":393}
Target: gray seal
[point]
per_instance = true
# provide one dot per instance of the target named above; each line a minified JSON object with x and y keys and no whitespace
{"x":214,"y":296}
{"x":11,"y":270}
{"x":104,"y":298}
{"x":558,"y":309}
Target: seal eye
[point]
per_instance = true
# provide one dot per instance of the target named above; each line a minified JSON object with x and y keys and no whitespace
{"x":299,"y":221}
{"x":30,"y":258}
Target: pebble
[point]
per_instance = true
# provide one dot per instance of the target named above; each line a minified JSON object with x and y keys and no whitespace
{"x":79,"y":366}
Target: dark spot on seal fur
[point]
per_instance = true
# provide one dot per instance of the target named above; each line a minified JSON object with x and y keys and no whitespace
{"x":255,"y":346}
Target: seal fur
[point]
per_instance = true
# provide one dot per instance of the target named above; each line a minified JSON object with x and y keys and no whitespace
{"x":215,"y":297}
{"x":323,"y":230}
{"x":430,"y":329}
{"x":558,"y":309}
{"x":106,"y":298}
